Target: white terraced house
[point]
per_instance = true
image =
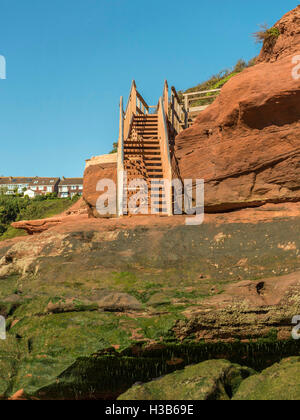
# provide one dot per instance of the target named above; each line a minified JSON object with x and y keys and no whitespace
{"x":11,"y":185}
{"x":68,"y":187}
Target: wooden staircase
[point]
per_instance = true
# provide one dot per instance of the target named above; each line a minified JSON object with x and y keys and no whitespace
{"x":143,"y":160}
{"x":144,"y":151}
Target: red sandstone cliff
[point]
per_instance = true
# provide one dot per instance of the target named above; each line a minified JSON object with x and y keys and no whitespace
{"x":101,"y":167}
{"x":247,"y":144}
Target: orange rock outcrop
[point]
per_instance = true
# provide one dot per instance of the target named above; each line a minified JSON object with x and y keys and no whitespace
{"x":246,"y":145}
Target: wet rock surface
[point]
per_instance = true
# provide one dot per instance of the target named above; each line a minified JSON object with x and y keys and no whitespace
{"x":211,"y":380}
{"x":279,"y":382}
{"x":162,"y":297}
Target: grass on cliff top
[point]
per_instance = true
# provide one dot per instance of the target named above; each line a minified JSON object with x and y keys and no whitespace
{"x":46,"y":208}
{"x":217,"y":81}
{"x":21,"y":208}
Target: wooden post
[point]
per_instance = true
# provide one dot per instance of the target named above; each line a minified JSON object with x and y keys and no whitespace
{"x":172,"y":110}
{"x":133,"y":98}
{"x":120,"y":163}
{"x":166,"y":99}
{"x":186,"y":103}
{"x":163,"y":136}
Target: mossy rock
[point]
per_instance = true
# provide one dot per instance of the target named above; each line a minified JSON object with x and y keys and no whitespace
{"x":93,"y":286}
{"x":210,"y":380}
{"x":10,"y":351}
{"x":279,"y":382}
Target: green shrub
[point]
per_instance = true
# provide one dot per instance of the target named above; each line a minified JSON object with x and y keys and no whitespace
{"x":217,"y":81}
{"x":266,"y":35}
{"x":2,"y":228}
{"x":43,"y":208}
{"x":15,"y":208}
{"x":115,"y":148}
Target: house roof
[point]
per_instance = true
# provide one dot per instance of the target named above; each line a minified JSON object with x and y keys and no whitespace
{"x":44,"y":181}
{"x":71,"y":181}
{"x":8,"y":180}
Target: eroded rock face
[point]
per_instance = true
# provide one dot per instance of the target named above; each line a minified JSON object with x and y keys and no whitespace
{"x":94,"y":173}
{"x":33,"y":227}
{"x":246,"y":145}
{"x":37,"y":226}
{"x":267,"y":305}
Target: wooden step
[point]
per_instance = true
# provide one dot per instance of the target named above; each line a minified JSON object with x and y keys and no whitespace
{"x":146,"y":117}
{"x":153,"y":165}
{"x":146,"y":127}
{"x":150,"y":142}
{"x":142,"y":147}
{"x":153,"y":159}
{"x":139,"y":152}
{"x":152,"y":123}
{"x":145,"y":148}
{"x":141,"y":128}
{"x":147,"y":134}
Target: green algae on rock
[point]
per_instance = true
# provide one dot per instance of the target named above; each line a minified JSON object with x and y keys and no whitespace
{"x":210,"y":380}
{"x":84,"y":292}
{"x":279,"y":382}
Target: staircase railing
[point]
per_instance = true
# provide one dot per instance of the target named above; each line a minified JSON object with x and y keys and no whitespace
{"x":136,"y":105}
{"x":141,"y":105}
{"x":194,"y":101}
{"x":173,"y":114}
{"x":163,"y":136}
{"x":178,"y":115}
{"x":130,"y":110}
{"x":120,"y":163}
{"x":166,"y":99}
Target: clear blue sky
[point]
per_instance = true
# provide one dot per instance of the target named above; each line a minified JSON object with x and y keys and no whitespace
{"x":68,"y":62}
